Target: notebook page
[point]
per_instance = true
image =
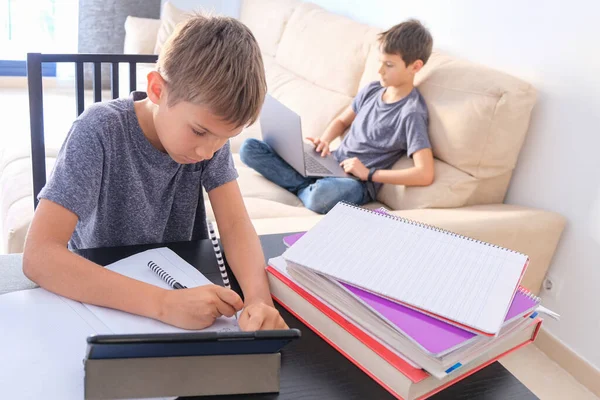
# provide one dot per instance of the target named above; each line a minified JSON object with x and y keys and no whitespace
{"x":136,"y":267}
{"x":453,"y":277}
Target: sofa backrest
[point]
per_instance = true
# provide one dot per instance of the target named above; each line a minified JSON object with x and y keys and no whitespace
{"x":304,"y":71}
{"x":325,"y":49}
{"x":267,"y":20}
{"x":478,"y":116}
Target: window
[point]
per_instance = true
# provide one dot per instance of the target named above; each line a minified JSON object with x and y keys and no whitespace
{"x":27,"y":26}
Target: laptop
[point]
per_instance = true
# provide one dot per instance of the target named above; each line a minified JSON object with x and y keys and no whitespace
{"x":282,"y":130}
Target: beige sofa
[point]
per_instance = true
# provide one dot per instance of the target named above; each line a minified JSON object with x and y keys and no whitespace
{"x":315,"y":63}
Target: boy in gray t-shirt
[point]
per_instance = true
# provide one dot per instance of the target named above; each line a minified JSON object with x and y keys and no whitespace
{"x":387,"y":119}
{"x":131,"y":171}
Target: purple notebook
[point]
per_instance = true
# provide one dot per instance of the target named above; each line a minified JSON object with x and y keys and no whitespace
{"x":435,"y":336}
{"x":291,"y":239}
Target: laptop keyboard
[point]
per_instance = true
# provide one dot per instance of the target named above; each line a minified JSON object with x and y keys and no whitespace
{"x":314,"y":167}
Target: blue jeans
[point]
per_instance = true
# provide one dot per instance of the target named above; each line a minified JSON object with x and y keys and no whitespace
{"x":317,"y":194}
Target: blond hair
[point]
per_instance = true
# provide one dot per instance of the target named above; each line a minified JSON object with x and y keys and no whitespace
{"x":410,"y":40}
{"x":215,"y":61}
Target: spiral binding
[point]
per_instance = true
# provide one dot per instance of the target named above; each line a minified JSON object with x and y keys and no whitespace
{"x":218,"y":254}
{"x":427,"y":226}
{"x":527,"y":293}
{"x":161,"y":273}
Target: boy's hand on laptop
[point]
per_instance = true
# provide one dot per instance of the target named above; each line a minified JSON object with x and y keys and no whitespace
{"x":355,"y":167}
{"x":260,"y":316}
{"x":321,"y":146}
{"x":199,"y":307}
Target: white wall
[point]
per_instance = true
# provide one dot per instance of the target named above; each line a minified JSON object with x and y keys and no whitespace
{"x":554,"y":45}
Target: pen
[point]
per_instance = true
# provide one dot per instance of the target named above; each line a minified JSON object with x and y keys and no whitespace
{"x":165,"y":276}
{"x":548,"y":312}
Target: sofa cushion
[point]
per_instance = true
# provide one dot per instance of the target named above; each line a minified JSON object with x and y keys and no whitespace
{"x":479,"y":116}
{"x":16,"y":225}
{"x":16,"y":198}
{"x":140,"y":35}
{"x":325,"y":49}
{"x":451,"y":188}
{"x":267,"y":20}
{"x":262,"y":208}
{"x":268,"y":62}
{"x":316,"y":105}
{"x":16,"y":182}
{"x":252,"y":184}
{"x":170,"y":16}
{"x":259,"y":209}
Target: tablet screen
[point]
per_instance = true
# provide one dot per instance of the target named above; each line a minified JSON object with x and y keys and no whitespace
{"x":189,"y":344}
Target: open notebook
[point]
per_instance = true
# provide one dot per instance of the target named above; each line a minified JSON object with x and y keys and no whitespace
{"x":55,"y":329}
{"x":136,"y":267}
{"x":457,"y":279}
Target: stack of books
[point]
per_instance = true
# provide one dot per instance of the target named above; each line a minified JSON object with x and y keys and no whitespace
{"x":415,"y":307}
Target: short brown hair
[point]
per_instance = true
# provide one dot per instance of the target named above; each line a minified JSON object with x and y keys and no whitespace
{"x":215,"y":61}
{"x":410,"y":40}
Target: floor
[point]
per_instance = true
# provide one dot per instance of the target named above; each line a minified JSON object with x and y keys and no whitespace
{"x":546,"y":379}
{"x":540,"y":374}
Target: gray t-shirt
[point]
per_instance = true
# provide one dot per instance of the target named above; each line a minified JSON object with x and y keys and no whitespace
{"x":382,"y":132}
{"x":123,"y":189}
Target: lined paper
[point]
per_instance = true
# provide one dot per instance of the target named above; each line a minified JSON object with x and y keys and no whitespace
{"x":457,"y":278}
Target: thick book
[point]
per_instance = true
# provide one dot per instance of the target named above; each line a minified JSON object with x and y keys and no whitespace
{"x":389,"y":333}
{"x":381,"y":364}
{"x":382,"y":332}
{"x":454,"y":278}
{"x":413,"y":334}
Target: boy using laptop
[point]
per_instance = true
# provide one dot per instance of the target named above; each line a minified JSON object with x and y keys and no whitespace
{"x":130,"y":172}
{"x":387,"y":119}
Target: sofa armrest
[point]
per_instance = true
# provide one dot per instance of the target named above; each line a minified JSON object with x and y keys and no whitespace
{"x":140,"y":35}
{"x":530,"y":231}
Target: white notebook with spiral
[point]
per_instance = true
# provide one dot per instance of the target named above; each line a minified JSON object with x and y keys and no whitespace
{"x":460,"y":280}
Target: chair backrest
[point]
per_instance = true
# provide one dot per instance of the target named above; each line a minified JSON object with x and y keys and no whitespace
{"x":36,"y":104}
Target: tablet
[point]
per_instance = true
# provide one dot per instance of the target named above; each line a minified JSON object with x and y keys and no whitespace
{"x":188,"y":344}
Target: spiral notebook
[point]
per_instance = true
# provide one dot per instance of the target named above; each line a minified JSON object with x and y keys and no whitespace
{"x":454,"y":278}
{"x":434,"y":336}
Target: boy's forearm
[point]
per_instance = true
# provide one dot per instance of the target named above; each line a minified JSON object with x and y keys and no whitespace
{"x":58,"y":270}
{"x":336,"y":128}
{"x":246,"y":259}
{"x":409,"y":177}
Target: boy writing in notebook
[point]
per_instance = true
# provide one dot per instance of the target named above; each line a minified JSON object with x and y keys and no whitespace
{"x":131,"y":170}
{"x":387,"y":119}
